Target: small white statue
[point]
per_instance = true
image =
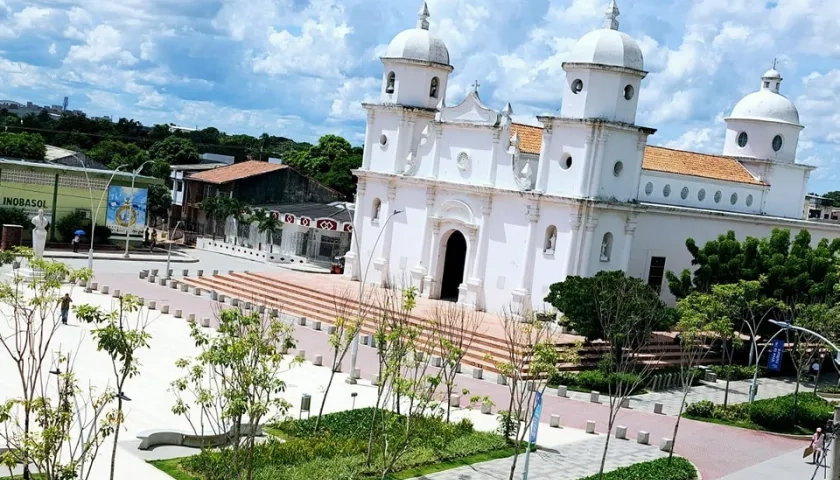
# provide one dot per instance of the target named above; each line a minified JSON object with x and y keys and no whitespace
{"x":39,"y":233}
{"x":549,"y":248}
{"x":605,"y":251}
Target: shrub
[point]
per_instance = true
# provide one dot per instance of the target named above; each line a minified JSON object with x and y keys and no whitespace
{"x":736,"y":372}
{"x":596,"y":380}
{"x":66,"y":225}
{"x":701,"y":409}
{"x":834,"y":389}
{"x":677,"y":468}
{"x":14,"y":216}
{"x":773,"y":414}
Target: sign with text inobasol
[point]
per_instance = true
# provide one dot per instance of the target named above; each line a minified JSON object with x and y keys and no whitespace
{"x":535,"y":422}
{"x":774,"y":362}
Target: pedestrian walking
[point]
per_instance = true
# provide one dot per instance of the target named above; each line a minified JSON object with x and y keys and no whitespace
{"x":817,"y":443}
{"x":65,"y":307}
{"x":76,"y":240}
{"x":153,"y":241}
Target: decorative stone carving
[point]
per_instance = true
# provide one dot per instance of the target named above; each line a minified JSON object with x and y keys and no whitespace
{"x":463,"y":161}
{"x":630,"y":225}
{"x":522,"y":172}
{"x":412,"y":161}
{"x":39,"y":233}
{"x":549,"y":245}
{"x":605,"y":249}
{"x":574,"y":221}
{"x":470,"y":111}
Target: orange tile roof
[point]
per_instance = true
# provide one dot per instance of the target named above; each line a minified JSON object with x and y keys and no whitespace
{"x":530,"y":137}
{"x":237,"y":171}
{"x":717,"y":167}
{"x":661,"y":159}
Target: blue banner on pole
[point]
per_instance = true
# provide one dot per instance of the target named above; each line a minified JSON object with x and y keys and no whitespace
{"x":535,"y":422}
{"x":774,"y":362}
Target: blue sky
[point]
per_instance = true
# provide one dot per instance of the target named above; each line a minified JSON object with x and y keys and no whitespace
{"x":300,"y":68}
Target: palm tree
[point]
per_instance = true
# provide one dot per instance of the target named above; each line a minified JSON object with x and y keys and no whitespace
{"x":268,"y":225}
{"x":212,"y":207}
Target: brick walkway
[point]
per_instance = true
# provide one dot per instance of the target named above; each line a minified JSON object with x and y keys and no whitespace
{"x":716,"y":450}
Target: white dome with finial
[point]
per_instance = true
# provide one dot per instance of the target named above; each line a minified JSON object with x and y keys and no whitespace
{"x":608,"y":46}
{"x":419,"y":43}
{"x":767,"y":104}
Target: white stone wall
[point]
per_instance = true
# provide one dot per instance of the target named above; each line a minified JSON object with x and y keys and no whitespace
{"x":654,"y":185}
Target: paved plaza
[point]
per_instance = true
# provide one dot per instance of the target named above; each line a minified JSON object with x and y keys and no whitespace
{"x":719,"y":452}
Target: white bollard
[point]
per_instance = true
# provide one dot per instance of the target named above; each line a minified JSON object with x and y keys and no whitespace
{"x":301,"y":354}
{"x":590,"y":426}
{"x":594,"y":397}
{"x":179,"y":313}
{"x":152,"y":304}
{"x":164,"y":309}
{"x":316,"y":325}
{"x":319,"y":360}
{"x":621,"y":432}
{"x":105,"y":289}
{"x":205,"y":322}
{"x":477,"y":373}
{"x":454,"y":400}
{"x":666,"y":444}
{"x":554,"y":421}
{"x":642,"y":437}
{"x":625,"y":403}
{"x":657,"y":408}
{"x":486,"y":408}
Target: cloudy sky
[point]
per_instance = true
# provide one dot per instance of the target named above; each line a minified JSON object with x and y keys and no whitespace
{"x":300,"y":68}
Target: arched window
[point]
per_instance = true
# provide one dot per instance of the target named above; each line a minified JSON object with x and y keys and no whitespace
{"x":433,"y":90}
{"x":606,"y":247}
{"x":392,"y":81}
{"x":374,"y":211}
{"x":550,"y":239}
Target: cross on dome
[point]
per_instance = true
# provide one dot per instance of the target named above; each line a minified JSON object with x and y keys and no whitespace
{"x":611,"y":20}
{"x":423,"y":17}
{"x":774,"y":63}
{"x":475,"y":86}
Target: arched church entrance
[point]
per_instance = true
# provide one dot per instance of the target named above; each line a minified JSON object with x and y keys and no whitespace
{"x":454,"y":262}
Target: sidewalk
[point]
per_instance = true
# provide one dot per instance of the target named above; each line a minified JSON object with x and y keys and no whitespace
{"x":177,"y":256}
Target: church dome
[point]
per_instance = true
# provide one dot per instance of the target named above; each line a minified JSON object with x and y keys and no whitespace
{"x":767,"y":104}
{"x":608,"y":46}
{"x":419,"y":43}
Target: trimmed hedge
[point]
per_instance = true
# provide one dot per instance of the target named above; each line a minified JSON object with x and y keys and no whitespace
{"x":734,"y":373}
{"x":677,"y":468}
{"x":595,"y":380}
{"x":772,"y":414}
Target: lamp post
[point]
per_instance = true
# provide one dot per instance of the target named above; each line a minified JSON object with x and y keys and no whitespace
{"x":169,"y":250}
{"x":354,"y":349}
{"x":98,"y":206}
{"x":131,"y":201}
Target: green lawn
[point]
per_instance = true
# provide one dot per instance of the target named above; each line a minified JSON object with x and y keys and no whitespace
{"x":338,"y":451}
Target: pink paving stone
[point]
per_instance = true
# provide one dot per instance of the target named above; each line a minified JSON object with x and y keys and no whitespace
{"x":716,"y":450}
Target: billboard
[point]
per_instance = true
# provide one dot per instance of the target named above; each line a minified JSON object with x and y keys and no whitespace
{"x":126,"y":211}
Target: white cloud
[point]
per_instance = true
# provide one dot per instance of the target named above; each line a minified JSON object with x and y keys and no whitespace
{"x":103,"y":43}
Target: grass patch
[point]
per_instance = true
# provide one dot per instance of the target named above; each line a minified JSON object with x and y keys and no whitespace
{"x":677,"y":468}
{"x":337,"y":451}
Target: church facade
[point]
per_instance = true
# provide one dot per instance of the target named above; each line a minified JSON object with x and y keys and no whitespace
{"x":466,"y":205}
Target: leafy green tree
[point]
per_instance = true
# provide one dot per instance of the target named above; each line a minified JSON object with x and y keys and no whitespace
{"x":159,"y":201}
{"x":833,"y":195}
{"x":22,"y":145}
{"x":121,"y":338}
{"x":330,"y":162}
{"x":174,"y":151}
{"x":115,"y":153}
{"x":235,"y":381}
{"x":268,"y":225}
{"x":582,"y":301}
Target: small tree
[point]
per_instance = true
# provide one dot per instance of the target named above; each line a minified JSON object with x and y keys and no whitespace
{"x":347,"y":325}
{"x":121,"y":339}
{"x":235,"y":379}
{"x":702,"y":321}
{"x":267,"y":224}
{"x":455,"y":328}
{"x":29,"y":310}
{"x":529,"y":348}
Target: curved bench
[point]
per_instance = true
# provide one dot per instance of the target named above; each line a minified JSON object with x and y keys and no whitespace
{"x":160,"y":437}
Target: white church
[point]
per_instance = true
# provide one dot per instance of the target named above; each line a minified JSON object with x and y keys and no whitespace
{"x":468,"y":206}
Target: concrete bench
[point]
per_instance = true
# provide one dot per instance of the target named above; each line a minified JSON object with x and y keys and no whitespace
{"x":154,"y":438}
{"x":160,"y":437}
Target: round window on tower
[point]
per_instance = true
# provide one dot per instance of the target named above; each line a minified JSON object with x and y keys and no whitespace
{"x":617,"y":168}
{"x":383,"y":140}
{"x":648,"y":188}
{"x":629,"y":91}
{"x":666,"y":190}
{"x":566,"y":162}
{"x":742,"y":139}
{"x":577,"y":86}
{"x":777,"y":143}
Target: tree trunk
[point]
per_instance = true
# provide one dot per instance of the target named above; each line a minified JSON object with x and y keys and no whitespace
{"x":324,"y":399}
{"x":27,"y":475}
{"x":606,"y":448}
{"x":116,"y":437}
{"x":677,"y":424}
{"x":372,"y":428}
{"x":516,"y":448}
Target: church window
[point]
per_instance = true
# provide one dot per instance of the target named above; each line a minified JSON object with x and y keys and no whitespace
{"x":566,"y":162}
{"x":577,"y":86}
{"x":777,"y":143}
{"x":392,"y":81}
{"x":617,"y":168}
{"x":377,"y":205}
{"x":749,"y":200}
{"x":550,"y":240}
{"x":733,"y":199}
{"x":656,"y":273}
{"x":718,"y":196}
{"x":433,"y":90}
{"x":684,"y":193}
{"x":666,"y":190}
{"x":648,"y":188}
{"x":383,"y":139}
{"x":742,"y":139}
{"x":606,"y":247}
{"x":701,"y":194}
{"x":629,"y":91}
{"x":766,"y":84}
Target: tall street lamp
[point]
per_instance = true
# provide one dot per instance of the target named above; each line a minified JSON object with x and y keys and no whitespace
{"x":131,"y":202}
{"x":98,"y":206}
{"x":354,"y":351}
{"x":169,"y":251}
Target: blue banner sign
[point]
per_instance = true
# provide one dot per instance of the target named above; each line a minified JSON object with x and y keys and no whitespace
{"x":774,"y":362}
{"x":535,"y":422}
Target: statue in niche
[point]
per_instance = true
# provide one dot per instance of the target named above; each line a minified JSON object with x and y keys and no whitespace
{"x":39,"y":233}
{"x":605,"y":250}
{"x":549,"y":246}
